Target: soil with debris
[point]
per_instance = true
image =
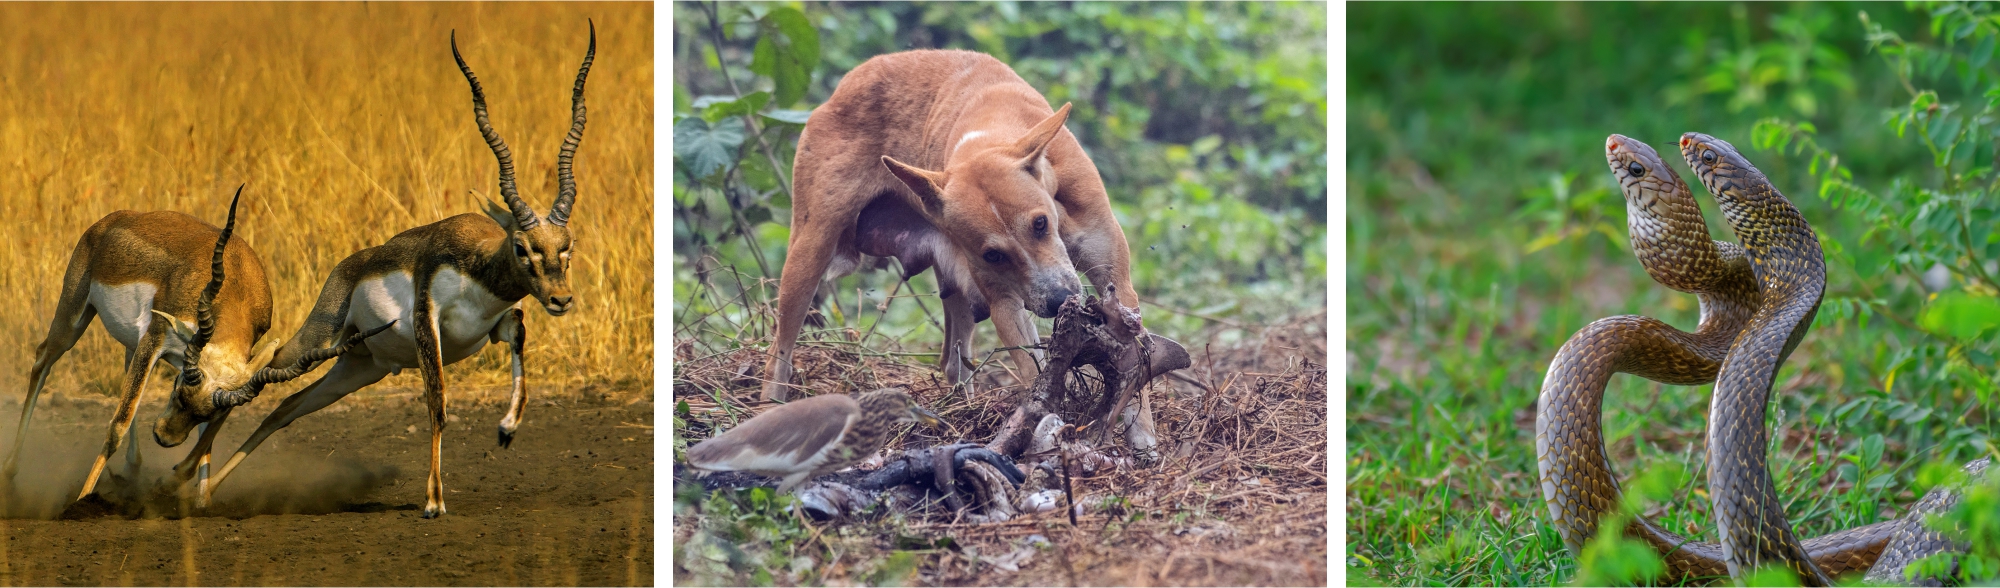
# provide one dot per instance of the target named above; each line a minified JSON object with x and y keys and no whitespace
{"x":336,"y":498}
{"x":1239,"y":496}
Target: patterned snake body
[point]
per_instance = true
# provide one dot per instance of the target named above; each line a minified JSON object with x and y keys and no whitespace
{"x":1791,"y":270}
{"x":1671,"y":240}
{"x":1762,"y":295}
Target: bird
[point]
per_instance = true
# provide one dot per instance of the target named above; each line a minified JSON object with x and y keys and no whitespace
{"x":809,"y":437}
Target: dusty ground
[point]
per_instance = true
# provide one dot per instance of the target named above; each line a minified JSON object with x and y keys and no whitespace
{"x":1240,"y":497}
{"x":334,"y":499}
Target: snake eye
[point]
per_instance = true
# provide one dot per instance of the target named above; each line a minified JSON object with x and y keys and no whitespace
{"x":1708,"y":156}
{"x":1636,"y":170}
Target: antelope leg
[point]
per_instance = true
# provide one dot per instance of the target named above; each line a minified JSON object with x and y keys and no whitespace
{"x":515,"y":333}
{"x":351,"y":372}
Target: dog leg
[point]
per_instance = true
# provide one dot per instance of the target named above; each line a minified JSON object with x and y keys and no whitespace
{"x":1016,"y":328}
{"x":957,"y":339}
{"x":806,"y":261}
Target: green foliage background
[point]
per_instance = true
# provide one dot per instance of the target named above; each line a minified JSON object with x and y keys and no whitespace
{"x":1207,"y":121}
{"x":1484,"y":229}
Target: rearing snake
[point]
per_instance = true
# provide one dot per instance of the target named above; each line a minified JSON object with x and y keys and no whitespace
{"x":1757,"y":300}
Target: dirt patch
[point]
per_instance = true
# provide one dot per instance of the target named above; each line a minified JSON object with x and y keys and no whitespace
{"x":1238,"y":498}
{"x":335,"y":498}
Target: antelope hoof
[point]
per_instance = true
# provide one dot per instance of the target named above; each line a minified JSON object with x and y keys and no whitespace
{"x":506,"y":438}
{"x":433,"y":511}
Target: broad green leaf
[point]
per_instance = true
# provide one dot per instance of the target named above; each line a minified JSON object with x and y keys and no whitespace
{"x":748,"y":104}
{"x":804,"y":38}
{"x":703,"y":102}
{"x":794,"y":117}
{"x":787,"y":51}
{"x":1961,"y":316}
{"x":1611,"y":559}
{"x":1772,"y":576}
{"x":706,"y":149}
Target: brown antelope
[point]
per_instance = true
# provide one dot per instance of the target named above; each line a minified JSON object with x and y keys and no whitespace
{"x":131,"y":267}
{"x":450,"y":287}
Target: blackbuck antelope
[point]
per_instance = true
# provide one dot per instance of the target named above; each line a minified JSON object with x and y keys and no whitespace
{"x":449,"y":288}
{"x":128,"y":269}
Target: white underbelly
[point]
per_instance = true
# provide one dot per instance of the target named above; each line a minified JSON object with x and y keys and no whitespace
{"x":126,"y":310}
{"x":465,"y":313}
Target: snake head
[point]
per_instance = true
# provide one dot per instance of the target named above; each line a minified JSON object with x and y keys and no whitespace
{"x":1721,"y":168}
{"x":1644,"y":178}
{"x":1669,"y":235}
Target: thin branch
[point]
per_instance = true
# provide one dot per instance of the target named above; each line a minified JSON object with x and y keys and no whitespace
{"x":1972,"y":254}
{"x":756,"y":130}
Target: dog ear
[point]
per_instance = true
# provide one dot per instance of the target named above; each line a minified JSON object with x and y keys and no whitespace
{"x":1035,"y":144}
{"x":928,"y":185}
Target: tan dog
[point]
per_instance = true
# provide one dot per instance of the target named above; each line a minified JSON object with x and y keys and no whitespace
{"x":948,"y":160}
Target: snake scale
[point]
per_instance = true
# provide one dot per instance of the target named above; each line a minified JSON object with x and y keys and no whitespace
{"x":1757,"y":300}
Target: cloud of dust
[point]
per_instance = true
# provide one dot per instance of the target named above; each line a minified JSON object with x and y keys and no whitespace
{"x":295,"y":485}
{"x":65,"y":438}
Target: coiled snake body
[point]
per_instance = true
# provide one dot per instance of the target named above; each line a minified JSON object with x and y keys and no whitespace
{"x":1757,"y":300}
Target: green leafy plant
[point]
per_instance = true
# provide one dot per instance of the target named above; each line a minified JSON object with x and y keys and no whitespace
{"x":1931,"y":226}
{"x":1611,"y":558}
{"x":1975,"y":520}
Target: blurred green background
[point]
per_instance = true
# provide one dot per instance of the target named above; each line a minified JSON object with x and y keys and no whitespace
{"x":1484,"y":229}
{"x":1206,"y":120}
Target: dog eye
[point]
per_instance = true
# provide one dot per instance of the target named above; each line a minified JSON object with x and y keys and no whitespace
{"x":1041,"y":225}
{"x":1637,"y":171}
{"x":1708,"y":155}
{"x":994,"y":256}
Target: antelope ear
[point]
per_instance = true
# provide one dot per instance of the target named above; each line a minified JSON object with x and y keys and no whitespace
{"x":179,"y":329}
{"x":928,"y":185}
{"x":494,"y":210}
{"x":261,"y":357}
{"x":1035,"y":144}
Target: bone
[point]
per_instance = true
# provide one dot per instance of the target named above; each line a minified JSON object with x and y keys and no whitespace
{"x":1044,"y":440}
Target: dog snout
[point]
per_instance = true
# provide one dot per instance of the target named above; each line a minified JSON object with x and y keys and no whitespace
{"x":1053,"y":303}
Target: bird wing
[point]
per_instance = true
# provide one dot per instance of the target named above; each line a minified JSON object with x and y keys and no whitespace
{"x":788,"y":438}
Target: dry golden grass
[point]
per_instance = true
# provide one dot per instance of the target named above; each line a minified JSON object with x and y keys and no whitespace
{"x":350,"y":123}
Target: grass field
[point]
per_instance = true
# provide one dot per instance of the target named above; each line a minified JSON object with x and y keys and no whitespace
{"x":349,"y":123}
{"x":1484,"y":229}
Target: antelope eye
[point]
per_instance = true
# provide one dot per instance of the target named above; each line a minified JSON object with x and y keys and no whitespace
{"x":1708,"y":155}
{"x":1636,"y":170}
{"x":994,"y":256}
